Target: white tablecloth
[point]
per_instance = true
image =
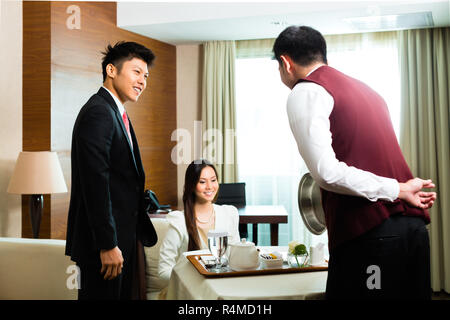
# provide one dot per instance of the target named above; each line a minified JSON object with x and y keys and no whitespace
{"x":186,"y":283}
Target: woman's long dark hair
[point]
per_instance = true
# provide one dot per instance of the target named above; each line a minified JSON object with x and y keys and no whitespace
{"x":191,"y":179}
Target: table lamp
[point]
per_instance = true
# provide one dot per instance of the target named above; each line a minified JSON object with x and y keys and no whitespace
{"x":37,"y":173}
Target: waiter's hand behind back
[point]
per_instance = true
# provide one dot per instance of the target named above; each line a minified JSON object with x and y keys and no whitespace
{"x":112,"y":263}
{"x":411,"y":192}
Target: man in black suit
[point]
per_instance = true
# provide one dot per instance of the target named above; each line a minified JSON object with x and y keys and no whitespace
{"x":107,"y":225}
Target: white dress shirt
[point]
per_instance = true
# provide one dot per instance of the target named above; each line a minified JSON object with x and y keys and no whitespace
{"x":309,"y":107}
{"x":117,"y":101}
{"x":176,"y":241}
{"x":120,"y":106}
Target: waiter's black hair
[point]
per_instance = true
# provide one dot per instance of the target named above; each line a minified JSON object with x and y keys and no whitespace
{"x":125,"y":51}
{"x":303,"y":44}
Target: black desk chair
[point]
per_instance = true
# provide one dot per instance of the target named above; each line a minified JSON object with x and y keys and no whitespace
{"x":233,"y":194}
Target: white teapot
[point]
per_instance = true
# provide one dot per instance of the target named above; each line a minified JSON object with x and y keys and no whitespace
{"x":243,"y":256}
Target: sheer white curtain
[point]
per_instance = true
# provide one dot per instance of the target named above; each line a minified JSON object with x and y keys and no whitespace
{"x":268,"y":157}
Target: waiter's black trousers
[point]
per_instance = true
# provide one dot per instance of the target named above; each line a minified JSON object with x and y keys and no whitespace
{"x":391,"y":261}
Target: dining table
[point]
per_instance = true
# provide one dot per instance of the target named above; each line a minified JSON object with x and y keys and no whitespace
{"x":258,"y":214}
{"x":186,"y":283}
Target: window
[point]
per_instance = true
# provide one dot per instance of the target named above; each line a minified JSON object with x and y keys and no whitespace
{"x":268,"y":158}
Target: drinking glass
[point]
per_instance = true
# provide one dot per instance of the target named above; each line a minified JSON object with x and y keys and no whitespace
{"x":217,"y":244}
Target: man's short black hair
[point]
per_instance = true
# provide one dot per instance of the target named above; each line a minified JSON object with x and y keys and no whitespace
{"x":304,"y":45}
{"x":125,"y":51}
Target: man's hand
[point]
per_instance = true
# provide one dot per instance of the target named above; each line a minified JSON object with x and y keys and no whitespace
{"x":112,"y":263}
{"x":411,"y":192}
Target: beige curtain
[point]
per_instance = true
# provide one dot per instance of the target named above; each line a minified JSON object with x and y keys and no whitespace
{"x":360,"y":41}
{"x":259,"y":48}
{"x":425,"y":67}
{"x":219,"y":108}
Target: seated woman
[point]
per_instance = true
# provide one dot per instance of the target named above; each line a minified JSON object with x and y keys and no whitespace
{"x":188,"y":230}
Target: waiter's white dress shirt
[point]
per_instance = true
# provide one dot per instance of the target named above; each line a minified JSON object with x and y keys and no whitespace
{"x":309,"y":107}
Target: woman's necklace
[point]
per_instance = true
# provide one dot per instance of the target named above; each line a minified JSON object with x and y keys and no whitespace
{"x":209,"y":219}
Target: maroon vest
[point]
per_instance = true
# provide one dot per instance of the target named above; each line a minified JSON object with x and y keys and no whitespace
{"x":363,"y":137}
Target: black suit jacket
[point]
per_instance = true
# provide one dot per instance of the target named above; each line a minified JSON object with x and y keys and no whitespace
{"x":106,"y":204}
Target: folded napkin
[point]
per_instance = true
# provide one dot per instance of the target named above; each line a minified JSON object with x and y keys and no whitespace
{"x":317,"y":256}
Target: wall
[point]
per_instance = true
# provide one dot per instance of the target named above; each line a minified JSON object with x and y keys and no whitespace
{"x":74,"y":69}
{"x":36,"y":111}
{"x":189,"y":99}
{"x":11,"y":113}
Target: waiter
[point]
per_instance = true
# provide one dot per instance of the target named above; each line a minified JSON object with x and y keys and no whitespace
{"x":376,"y":212}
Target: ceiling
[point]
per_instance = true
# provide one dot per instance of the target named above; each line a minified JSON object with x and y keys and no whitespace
{"x":196,"y":22}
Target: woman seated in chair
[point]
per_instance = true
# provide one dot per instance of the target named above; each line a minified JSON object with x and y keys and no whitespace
{"x":188,"y":230}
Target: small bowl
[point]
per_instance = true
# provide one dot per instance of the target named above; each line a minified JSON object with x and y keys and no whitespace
{"x":271,"y":263}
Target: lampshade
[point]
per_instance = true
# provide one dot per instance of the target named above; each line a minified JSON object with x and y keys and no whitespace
{"x":37,"y":173}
